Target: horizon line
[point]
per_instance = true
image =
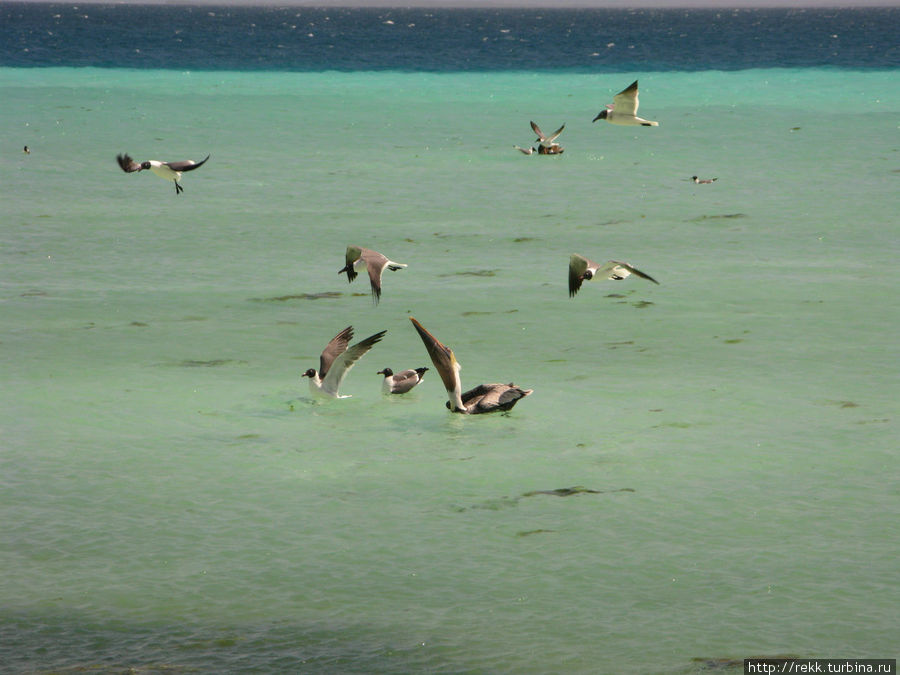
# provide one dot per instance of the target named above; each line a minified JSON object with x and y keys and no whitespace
{"x":497,"y":4}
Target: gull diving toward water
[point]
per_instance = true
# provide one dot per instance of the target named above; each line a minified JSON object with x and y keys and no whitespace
{"x":336,"y":361}
{"x":581,"y":269}
{"x":169,"y":170}
{"x":358,"y":258}
{"x":624,"y":109}
{"x":703,"y":180}
{"x":401,"y":382}
{"x":485,"y":398}
{"x":547,"y":145}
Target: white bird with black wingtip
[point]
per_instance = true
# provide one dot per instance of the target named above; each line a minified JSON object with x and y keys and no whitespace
{"x":169,"y":170}
{"x":336,"y":361}
{"x":358,"y":258}
{"x":402,"y":382}
{"x":583,"y":269}
{"x":623,"y":109}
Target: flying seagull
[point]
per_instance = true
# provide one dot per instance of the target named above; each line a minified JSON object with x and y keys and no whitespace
{"x":624,"y":109}
{"x":402,"y":382}
{"x":358,"y":258}
{"x":485,"y":398}
{"x":336,"y":361}
{"x":582,"y":269}
{"x":169,"y":170}
{"x":703,"y":180}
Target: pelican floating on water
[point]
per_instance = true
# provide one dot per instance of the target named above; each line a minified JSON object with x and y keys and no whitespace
{"x":485,"y":398}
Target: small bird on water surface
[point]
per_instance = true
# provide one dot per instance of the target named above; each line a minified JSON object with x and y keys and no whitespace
{"x":169,"y":170}
{"x":402,"y":382}
{"x":703,"y":181}
{"x":485,"y":398}
{"x":547,"y":145}
{"x":336,"y":361}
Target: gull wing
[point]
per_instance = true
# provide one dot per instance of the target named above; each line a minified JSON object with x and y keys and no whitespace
{"x":186,"y":165}
{"x":536,"y":129}
{"x":626,"y":101}
{"x":556,"y":134}
{"x":335,"y":348}
{"x":578,"y":265}
{"x":375,"y":263}
{"x":127,"y":164}
{"x":443,"y":359}
{"x":342,"y":364}
{"x":405,"y":381}
{"x":630,"y":268}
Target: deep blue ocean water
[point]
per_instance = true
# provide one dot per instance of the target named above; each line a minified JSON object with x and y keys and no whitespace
{"x":253,"y":38}
{"x":172,"y":500}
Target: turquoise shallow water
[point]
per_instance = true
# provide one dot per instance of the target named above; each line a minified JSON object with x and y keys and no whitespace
{"x":171,"y":496}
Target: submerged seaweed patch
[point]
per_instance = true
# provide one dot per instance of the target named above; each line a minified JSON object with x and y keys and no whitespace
{"x":718,"y":216}
{"x":472,"y":273}
{"x":528,"y":533}
{"x":616,"y":345}
{"x":841,"y":404}
{"x":212,"y":363}
{"x":300,"y":296}
{"x":576,"y":490}
{"x":509,"y":502}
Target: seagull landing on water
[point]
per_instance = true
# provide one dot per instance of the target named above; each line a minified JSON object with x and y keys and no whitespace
{"x":703,"y":181}
{"x":402,"y":382}
{"x":547,"y":145}
{"x":485,"y":398}
{"x":582,"y":269}
{"x":358,"y":258}
{"x":169,"y":170}
{"x":336,"y":361}
{"x":624,"y":109}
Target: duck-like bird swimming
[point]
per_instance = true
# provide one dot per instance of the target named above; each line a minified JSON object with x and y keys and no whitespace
{"x":485,"y":398}
{"x":582,"y":269}
{"x":169,"y":170}
{"x":374,"y":262}
{"x":336,"y":361}
{"x":402,"y":382}
{"x":624,"y":109}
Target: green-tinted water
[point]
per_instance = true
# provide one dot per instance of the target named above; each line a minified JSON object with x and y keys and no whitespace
{"x":171,"y":495}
